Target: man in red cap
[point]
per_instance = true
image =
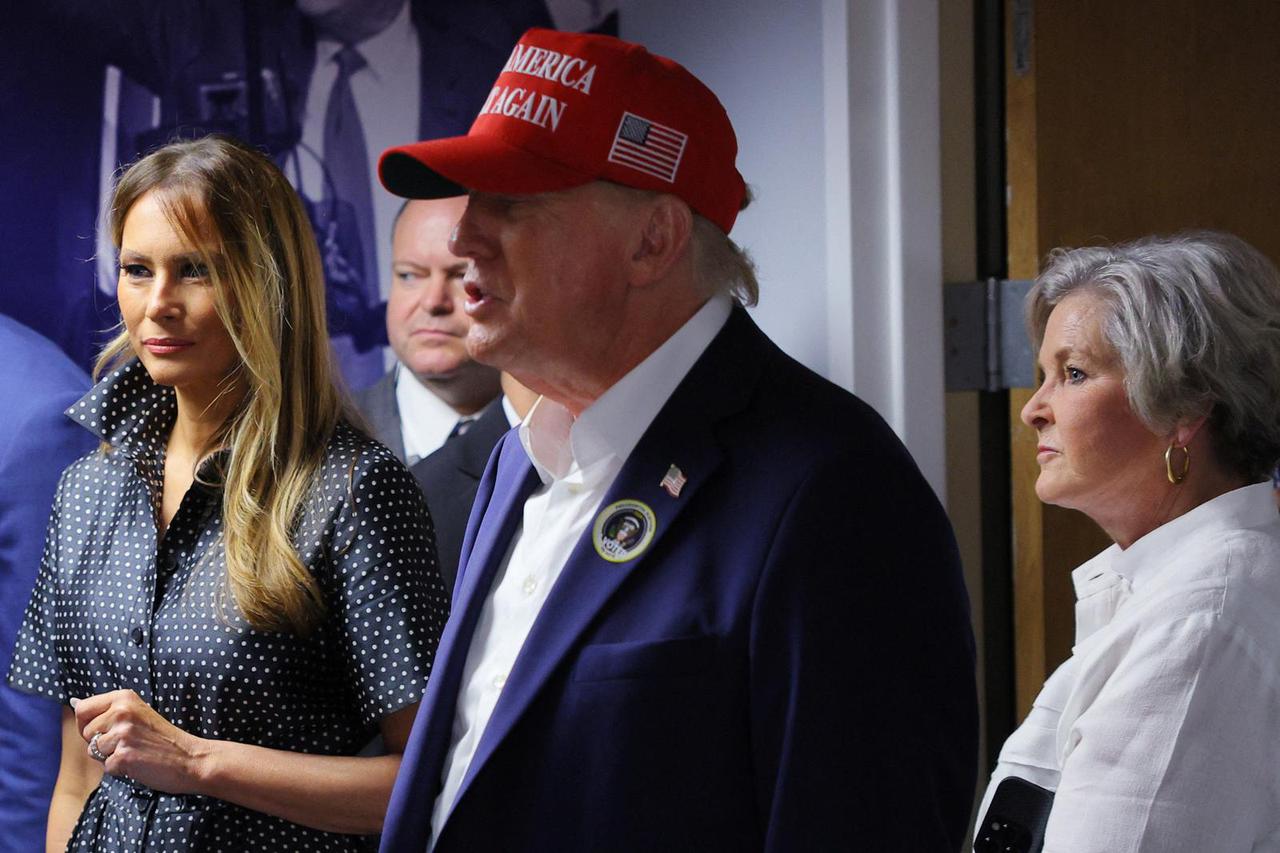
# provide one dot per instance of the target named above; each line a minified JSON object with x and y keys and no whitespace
{"x":729,"y":675}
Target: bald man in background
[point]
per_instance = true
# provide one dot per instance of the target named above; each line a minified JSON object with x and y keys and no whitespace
{"x":438,"y":409}
{"x":435,"y":390}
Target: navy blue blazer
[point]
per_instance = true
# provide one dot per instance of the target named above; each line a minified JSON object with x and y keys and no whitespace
{"x":37,"y":382}
{"x":788,"y":666}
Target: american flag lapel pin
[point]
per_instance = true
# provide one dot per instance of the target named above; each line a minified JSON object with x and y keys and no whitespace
{"x":673,"y":481}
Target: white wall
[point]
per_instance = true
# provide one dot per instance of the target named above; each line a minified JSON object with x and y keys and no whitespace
{"x":835,"y":103}
{"x":764,"y":61}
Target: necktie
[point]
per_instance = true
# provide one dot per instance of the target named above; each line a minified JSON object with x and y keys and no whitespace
{"x":460,"y":428}
{"x":347,"y":194}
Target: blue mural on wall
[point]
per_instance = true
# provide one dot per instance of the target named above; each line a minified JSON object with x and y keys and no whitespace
{"x":322,"y":85}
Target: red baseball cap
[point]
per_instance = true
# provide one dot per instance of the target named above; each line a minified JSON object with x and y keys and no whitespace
{"x":571,"y":108}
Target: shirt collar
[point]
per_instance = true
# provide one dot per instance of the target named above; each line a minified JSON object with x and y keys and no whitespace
{"x":134,"y":414}
{"x":609,"y":429}
{"x":425,"y":419}
{"x":513,"y":417}
{"x":1246,"y":507}
{"x":128,"y":411}
{"x":384,"y":52}
{"x":1095,"y":573}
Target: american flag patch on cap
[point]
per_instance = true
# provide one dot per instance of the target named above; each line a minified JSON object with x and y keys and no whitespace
{"x":650,"y":147}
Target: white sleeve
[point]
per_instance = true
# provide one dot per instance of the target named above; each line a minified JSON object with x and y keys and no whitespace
{"x":1030,"y":753}
{"x":1171,"y":744}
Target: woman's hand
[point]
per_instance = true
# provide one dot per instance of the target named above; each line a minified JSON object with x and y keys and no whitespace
{"x":139,"y":743}
{"x":333,"y":793}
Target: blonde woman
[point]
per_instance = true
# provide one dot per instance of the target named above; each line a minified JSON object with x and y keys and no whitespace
{"x":238,"y":588}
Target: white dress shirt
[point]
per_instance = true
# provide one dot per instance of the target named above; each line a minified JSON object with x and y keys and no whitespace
{"x":577,"y":461}
{"x":1161,"y":733}
{"x":513,"y":417}
{"x":387,"y":96}
{"x":425,"y":419}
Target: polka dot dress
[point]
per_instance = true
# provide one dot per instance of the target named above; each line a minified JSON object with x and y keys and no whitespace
{"x":114,"y":608}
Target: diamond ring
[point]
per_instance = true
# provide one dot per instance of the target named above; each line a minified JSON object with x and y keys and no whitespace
{"x":93,"y":748}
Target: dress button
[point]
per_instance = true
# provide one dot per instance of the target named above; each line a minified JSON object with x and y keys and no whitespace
{"x":530,"y":585}
{"x":137,"y":636}
{"x":499,"y":681}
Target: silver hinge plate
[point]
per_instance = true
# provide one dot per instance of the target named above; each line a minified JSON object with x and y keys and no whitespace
{"x":986,"y":343}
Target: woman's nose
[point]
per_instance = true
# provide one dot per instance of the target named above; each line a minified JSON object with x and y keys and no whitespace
{"x":164,"y":302}
{"x":1036,"y":413}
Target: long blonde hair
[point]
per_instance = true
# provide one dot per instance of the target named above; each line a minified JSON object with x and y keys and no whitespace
{"x":268,"y":290}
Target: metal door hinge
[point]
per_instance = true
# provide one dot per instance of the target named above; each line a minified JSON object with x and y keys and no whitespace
{"x":986,"y":343}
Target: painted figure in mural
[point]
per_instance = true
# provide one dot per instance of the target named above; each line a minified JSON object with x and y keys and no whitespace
{"x":214,"y":606}
{"x":656,"y":642}
{"x":1158,"y":417}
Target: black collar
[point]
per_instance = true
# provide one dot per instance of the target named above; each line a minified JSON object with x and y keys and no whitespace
{"x":129,"y":411}
{"x":134,"y":415}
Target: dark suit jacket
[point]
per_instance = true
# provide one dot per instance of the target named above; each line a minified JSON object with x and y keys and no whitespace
{"x":788,"y":666}
{"x":36,"y":442}
{"x":449,"y":479}
{"x":378,"y":405}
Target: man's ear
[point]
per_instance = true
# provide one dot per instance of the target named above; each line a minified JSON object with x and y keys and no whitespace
{"x":663,"y":239}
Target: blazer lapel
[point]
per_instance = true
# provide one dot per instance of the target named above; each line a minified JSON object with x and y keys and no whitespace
{"x":486,"y":542}
{"x":506,"y":485}
{"x":682,"y":435}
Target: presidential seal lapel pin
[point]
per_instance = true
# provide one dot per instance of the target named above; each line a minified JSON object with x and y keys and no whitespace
{"x":673,"y":481}
{"x":623,"y":530}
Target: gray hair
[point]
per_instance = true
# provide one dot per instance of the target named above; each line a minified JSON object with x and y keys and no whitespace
{"x":721,"y":265}
{"x":1195,"y":321}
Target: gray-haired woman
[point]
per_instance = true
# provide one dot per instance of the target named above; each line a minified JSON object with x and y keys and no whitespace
{"x":1159,"y":418}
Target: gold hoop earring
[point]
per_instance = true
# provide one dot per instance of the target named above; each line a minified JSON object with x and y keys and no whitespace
{"x":1178,"y":476}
